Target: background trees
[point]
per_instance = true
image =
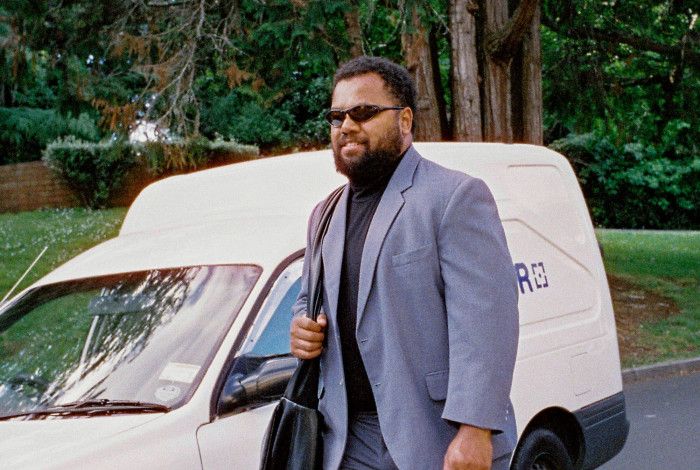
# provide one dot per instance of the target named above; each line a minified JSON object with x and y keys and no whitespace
{"x":625,"y":68}
{"x":624,"y":72}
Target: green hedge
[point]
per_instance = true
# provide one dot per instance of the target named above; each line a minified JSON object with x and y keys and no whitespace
{"x":635,"y":185}
{"x":192,"y":154}
{"x":94,"y":170}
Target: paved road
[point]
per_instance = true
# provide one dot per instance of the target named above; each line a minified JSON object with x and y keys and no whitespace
{"x":664,"y":417}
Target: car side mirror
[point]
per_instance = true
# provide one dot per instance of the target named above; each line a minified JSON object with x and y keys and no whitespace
{"x":264,"y":384}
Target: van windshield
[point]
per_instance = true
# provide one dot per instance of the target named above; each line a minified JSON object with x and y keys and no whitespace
{"x":142,"y":337}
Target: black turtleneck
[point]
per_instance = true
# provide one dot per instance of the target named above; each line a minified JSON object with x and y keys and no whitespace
{"x":362,"y":203}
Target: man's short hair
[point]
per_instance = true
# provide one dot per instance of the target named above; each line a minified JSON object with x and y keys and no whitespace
{"x":396,"y":77}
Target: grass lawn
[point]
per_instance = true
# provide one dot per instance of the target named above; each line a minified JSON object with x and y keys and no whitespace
{"x":667,"y":263}
{"x":66,"y":232}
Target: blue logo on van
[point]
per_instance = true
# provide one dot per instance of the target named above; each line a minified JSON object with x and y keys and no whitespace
{"x":535,"y":275}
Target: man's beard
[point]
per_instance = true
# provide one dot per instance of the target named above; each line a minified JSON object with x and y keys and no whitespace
{"x":374,"y":165}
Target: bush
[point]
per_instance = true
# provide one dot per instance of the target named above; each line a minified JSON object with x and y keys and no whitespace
{"x":293,"y":117}
{"x":636,"y":185}
{"x":242,"y":116}
{"x":92,"y":170}
{"x":308,"y":102}
{"x":24,"y":132}
{"x":229,"y":151}
{"x":191,"y":154}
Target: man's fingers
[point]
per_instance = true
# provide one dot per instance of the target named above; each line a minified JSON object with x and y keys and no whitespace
{"x":306,"y":349}
{"x":322,"y":320}
{"x":308,"y":346}
{"x":307,"y":324}
{"x":308,"y":335}
{"x":305,"y":355}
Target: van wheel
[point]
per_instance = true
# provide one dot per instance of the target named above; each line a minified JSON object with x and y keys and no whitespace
{"x":542,"y":450}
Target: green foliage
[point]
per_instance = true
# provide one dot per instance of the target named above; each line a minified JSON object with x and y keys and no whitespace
{"x":96,"y":169}
{"x":191,"y":154}
{"x":634,"y":185}
{"x":243,"y":116}
{"x":294,"y":118}
{"x":307,"y":103}
{"x":57,"y":55}
{"x":93,"y":170}
{"x":221,"y":151}
{"x":259,"y":73}
{"x":623,"y":69}
{"x":24,"y":132}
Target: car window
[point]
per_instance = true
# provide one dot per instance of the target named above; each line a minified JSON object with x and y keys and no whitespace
{"x":275,"y":337}
{"x":270,"y":333}
{"x":139,"y":336}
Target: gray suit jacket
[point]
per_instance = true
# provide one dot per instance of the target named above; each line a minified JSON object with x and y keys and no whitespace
{"x":437,"y":316}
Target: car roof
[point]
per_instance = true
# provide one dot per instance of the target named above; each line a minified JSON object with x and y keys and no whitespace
{"x":257,"y":212}
{"x":293,"y":184}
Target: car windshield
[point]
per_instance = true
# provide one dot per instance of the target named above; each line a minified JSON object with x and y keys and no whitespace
{"x":143,"y":337}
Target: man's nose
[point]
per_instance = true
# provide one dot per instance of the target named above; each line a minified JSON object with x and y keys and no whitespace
{"x":348,"y":125}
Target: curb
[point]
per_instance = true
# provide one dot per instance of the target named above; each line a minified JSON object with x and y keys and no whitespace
{"x":663,"y":369}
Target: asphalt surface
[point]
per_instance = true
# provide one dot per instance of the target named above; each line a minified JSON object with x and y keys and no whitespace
{"x":664,"y":415}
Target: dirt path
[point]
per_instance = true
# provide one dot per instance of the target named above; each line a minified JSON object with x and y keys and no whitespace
{"x":634,"y":306}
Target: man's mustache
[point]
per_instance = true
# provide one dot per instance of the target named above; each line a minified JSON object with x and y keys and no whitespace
{"x":344,"y":141}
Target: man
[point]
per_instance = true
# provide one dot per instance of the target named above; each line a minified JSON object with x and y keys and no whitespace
{"x":419,"y":342}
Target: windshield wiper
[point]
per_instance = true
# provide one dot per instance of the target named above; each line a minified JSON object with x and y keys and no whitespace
{"x":100,"y":406}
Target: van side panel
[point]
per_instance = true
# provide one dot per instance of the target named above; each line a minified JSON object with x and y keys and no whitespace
{"x":568,"y":340}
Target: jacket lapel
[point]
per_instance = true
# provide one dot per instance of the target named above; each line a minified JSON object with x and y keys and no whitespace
{"x":389,"y":207}
{"x":332,"y":253}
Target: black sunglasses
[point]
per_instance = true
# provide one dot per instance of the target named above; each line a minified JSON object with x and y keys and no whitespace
{"x":359,"y":113}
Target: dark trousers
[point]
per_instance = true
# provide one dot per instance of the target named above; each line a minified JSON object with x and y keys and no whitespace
{"x":366,"y":450}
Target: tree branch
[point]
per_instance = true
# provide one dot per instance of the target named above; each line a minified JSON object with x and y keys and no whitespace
{"x":503,"y":44}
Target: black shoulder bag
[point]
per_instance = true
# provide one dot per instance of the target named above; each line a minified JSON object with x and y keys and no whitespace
{"x":293,"y":440}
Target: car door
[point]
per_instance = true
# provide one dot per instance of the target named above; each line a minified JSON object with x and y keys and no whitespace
{"x":255,"y":381}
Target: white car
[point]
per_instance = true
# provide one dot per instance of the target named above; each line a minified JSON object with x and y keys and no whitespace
{"x":168,"y":346}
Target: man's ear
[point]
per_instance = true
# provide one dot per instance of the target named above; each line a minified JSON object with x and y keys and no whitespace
{"x":406,"y":121}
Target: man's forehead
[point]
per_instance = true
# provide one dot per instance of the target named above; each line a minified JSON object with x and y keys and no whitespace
{"x":368,"y":88}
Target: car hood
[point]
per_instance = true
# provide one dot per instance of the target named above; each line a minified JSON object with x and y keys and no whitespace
{"x":34,"y":443}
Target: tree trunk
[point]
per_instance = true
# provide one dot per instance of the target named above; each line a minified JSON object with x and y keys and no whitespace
{"x":497,"y":110}
{"x":417,"y":53}
{"x":437,"y":80}
{"x":466,"y":98}
{"x":352,"y":22}
{"x":527,"y":87}
{"x":502,"y":41}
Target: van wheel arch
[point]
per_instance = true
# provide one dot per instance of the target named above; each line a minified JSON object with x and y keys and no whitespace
{"x":564,"y":426}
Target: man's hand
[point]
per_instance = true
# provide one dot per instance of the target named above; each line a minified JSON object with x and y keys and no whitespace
{"x":471,"y":449}
{"x":306,"y":336}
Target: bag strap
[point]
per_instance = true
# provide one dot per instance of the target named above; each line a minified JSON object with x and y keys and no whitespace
{"x":315,"y":287}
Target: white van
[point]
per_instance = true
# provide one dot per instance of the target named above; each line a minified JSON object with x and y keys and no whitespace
{"x":167,"y":346}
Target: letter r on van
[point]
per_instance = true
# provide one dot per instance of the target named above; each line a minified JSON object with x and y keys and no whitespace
{"x":523,"y":276}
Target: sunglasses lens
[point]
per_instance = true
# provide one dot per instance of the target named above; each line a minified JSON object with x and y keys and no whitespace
{"x":335,"y":118}
{"x":363,"y":113}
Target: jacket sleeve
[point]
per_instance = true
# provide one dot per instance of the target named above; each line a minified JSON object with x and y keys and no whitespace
{"x":300,"y":305}
{"x":481,"y":301}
